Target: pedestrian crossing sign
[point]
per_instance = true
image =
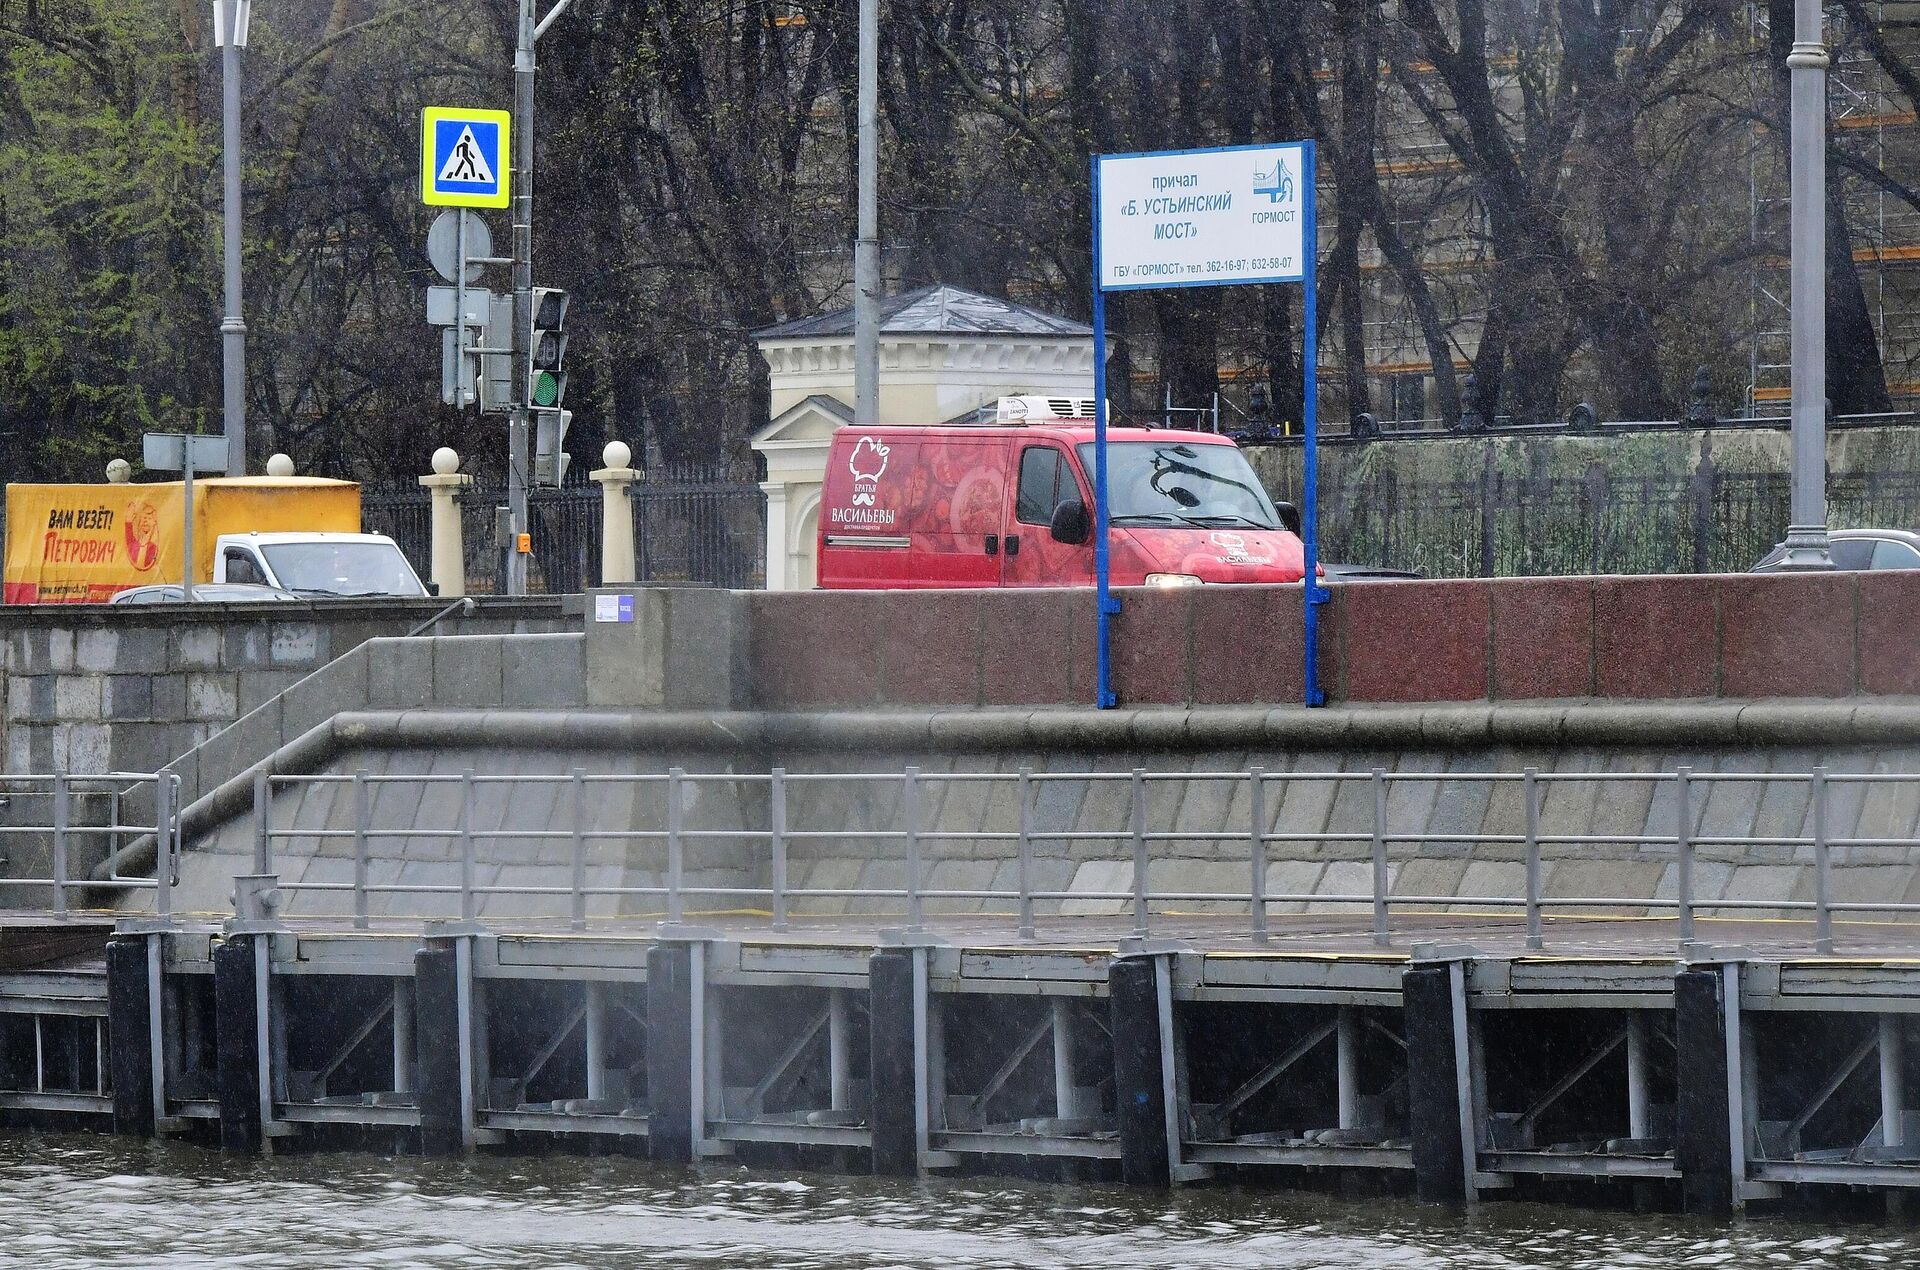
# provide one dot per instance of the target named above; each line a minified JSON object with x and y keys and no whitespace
{"x":464,"y":157}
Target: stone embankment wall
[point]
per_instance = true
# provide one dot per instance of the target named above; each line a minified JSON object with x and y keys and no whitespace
{"x":129,"y":688}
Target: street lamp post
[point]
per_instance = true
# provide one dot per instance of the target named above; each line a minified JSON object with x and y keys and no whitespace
{"x":1806,"y":543}
{"x":230,"y":21}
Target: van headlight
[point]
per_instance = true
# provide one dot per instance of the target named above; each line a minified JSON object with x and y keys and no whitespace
{"x":1172,"y":579}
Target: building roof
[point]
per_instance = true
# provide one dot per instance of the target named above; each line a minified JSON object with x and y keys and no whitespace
{"x":934,"y":310}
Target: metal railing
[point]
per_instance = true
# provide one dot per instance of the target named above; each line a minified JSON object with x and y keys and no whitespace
{"x":1371,"y":835}
{"x":92,"y":810}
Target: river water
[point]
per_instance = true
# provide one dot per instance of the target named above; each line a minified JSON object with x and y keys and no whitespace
{"x":73,"y":1201}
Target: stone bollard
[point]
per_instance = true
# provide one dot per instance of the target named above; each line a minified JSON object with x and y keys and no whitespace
{"x":449,"y":552}
{"x":616,"y":514}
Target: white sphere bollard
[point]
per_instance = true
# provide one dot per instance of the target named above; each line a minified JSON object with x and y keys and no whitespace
{"x":449,"y":565}
{"x":280,"y":465}
{"x":119,"y":471}
{"x":616,"y":515}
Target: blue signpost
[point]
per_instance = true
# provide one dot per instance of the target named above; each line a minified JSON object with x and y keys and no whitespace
{"x":1225,"y":216}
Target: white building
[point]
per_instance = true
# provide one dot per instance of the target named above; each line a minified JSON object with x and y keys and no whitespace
{"x":944,"y":353}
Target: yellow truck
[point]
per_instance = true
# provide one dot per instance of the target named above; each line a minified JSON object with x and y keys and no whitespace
{"x":82,"y":544}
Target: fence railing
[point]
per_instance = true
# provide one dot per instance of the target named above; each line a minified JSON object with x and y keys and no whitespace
{"x":911,"y":834}
{"x":691,"y":523}
{"x":74,"y":818}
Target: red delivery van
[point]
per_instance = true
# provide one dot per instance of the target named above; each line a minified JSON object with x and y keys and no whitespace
{"x":970,"y":506}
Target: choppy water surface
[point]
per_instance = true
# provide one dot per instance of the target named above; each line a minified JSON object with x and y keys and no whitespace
{"x":99,"y":1202}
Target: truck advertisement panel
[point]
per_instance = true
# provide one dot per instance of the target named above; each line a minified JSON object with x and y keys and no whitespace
{"x":82,"y":544}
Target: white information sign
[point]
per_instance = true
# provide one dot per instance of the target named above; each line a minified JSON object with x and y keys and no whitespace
{"x":1202,"y":218}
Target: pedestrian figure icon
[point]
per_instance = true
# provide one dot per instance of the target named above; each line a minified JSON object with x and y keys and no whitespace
{"x":463,"y":157}
{"x":466,"y":165}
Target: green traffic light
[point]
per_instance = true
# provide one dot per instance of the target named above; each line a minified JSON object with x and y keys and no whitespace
{"x":546,"y":389}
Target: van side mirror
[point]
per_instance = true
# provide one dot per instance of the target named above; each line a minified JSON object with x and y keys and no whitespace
{"x":1071,"y":524}
{"x":433,"y":588}
{"x":1289,"y":517}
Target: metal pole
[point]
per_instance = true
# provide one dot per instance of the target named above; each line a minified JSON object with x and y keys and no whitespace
{"x":1379,"y":782}
{"x":517,"y":426}
{"x":676,"y":862}
{"x":402,"y":1036}
{"x":1314,"y":594}
{"x":362,"y":821}
{"x":1822,"y":868}
{"x":910,"y":816}
{"x":231,"y":29}
{"x":596,"y":1029}
{"x":1137,"y":823}
{"x":1105,"y":606}
{"x":1025,"y":862}
{"x":1529,"y":784}
{"x":1346,"y":1043}
{"x":60,"y":814}
{"x":1893,"y":1080}
{"x":1257,"y":812}
{"x":1639,"y":1103}
{"x":777,"y":831}
{"x":467,"y":905}
{"x":866,"y":247}
{"x":262,"y":827}
{"x":839,"y":1040}
{"x":1807,"y":65}
{"x":1064,"y":1104}
{"x":1683,"y":846}
{"x":577,"y":782}
{"x":186,"y":519}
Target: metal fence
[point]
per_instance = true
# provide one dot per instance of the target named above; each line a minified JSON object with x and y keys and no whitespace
{"x":73,"y":817}
{"x":912,"y":833}
{"x":1705,"y":521}
{"x":691,"y":523}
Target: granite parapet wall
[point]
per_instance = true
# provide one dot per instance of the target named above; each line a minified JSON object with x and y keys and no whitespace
{"x":1736,"y":636}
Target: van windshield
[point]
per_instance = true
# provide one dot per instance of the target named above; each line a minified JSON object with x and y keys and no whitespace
{"x":342,"y":568}
{"x":1182,"y":483}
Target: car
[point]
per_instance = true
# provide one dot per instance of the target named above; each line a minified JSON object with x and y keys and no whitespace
{"x":203,"y":593}
{"x":1860,"y":549}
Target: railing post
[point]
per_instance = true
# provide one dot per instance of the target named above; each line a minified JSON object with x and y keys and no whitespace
{"x":1378,"y":780}
{"x":1138,"y":822}
{"x":676,"y":864}
{"x":1257,"y":840}
{"x":1530,"y":787}
{"x":910,"y":816}
{"x":577,"y":783}
{"x":468,"y":908}
{"x":777,"y":832}
{"x":165,"y":796}
{"x":60,"y":814}
{"x":1683,"y":845}
{"x":1822,"y":868}
{"x":262,"y":830}
{"x":1026,"y":852}
{"x":362,"y":818}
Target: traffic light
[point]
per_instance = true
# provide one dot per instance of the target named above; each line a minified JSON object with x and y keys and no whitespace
{"x":547,"y":351}
{"x":550,"y":457}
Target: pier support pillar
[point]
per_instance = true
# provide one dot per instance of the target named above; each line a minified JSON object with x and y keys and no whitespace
{"x":1440,"y":1101}
{"x":1710,"y":1131}
{"x":436,"y":1035}
{"x":894,"y":1112}
{"x":133,"y":1042}
{"x":1140,"y":1077}
{"x":240,"y":1029}
{"x":670,"y":1042}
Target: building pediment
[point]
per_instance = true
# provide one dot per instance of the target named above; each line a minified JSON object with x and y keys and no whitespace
{"x":810,"y":420}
